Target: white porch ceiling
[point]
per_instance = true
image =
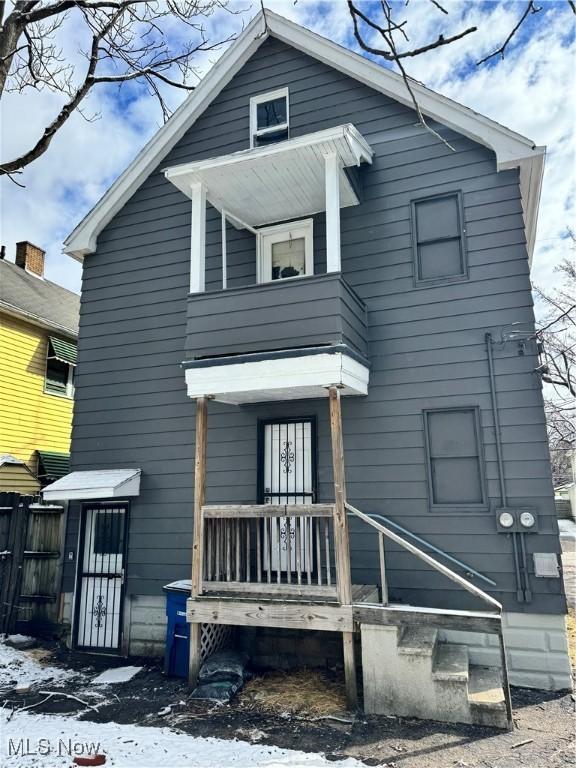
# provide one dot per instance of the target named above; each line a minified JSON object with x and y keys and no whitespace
{"x":276,"y":183}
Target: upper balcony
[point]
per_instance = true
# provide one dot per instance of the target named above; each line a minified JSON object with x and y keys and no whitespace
{"x":317,"y":311}
{"x":314,"y":328}
{"x":294,"y":333}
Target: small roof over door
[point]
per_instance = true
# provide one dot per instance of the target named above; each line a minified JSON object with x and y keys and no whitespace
{"x":95,"y":484}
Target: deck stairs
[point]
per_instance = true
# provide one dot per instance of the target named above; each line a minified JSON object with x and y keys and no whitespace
{"x":408,"y":672}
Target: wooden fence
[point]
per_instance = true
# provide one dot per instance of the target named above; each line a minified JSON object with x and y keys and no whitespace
{"x":31,"y":559}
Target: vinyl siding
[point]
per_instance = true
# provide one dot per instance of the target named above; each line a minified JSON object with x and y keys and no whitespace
{"x":426,"y":346}
{"x":30,"y":419}
{"x":17,"y":478}
{"x":308,"y":312}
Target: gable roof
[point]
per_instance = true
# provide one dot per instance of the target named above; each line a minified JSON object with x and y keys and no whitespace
{"x":512,"y":150}
{"x":37,"y":300}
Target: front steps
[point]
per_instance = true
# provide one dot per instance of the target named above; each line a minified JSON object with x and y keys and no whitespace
{"x":407,"y":672}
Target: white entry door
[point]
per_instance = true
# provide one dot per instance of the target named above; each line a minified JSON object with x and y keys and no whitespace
{"x":99,"y":609}
{"x":288,"y":478}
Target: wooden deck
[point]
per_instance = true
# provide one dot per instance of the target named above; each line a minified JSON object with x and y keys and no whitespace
{"x":288,"y":566}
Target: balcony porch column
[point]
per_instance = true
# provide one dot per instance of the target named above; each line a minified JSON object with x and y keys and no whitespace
{"x":332,"y":180}
{"x":198,"y":240}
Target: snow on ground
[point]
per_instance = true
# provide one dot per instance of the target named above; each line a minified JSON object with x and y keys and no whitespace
{"x":23,"y":668}
{"x":567,"y":529}
{"x":45,"y":741}
{"x":29,"y":740}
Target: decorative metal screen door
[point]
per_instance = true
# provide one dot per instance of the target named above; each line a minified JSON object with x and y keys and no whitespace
{"x":288,"y":478}
{"x":99,"y":609}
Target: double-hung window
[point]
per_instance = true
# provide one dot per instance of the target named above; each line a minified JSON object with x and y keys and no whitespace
{"x":285,"y":251}
{"x":60,"y":365}
{"x":438,"y":238}
{"x":269,"y":118}
{"x":454,"y":455}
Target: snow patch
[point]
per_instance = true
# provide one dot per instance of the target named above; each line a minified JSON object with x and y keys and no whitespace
{"x":567,"y":529}
{"x":127,"y":746}
{"x":117,"y":675}
{"x":23,"y":668}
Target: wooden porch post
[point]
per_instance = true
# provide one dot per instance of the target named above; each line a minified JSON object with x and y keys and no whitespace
{"x":198,"y":535}
{"x":341,"y":541}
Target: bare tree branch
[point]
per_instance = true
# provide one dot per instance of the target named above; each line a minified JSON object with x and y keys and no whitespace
{"x":391,"y":52}
{"x":130,"y":42}
{"x":530,"y":8}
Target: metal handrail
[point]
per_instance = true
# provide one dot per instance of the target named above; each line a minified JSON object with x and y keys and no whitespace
{"x":438,"y":551}
{"x":444,"y":570}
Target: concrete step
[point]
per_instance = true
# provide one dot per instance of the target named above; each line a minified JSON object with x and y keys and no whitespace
{"x":417,"y":641}
{"x":486,"y":697}
{"x":450,"y":663}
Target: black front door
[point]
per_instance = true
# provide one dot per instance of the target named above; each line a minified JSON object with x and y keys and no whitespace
{"x":100,"y":590}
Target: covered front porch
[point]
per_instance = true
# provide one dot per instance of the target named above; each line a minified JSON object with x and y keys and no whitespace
{"x":285,"y":563}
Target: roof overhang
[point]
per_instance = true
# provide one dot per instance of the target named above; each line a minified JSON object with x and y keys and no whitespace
{"x":279,"y":182}
{"x":21,"y":314}
{"x":511,"y":149}
{"x":95,"y":484}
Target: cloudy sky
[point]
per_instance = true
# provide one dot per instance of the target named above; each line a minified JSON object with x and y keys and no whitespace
{"x":532,"y":91}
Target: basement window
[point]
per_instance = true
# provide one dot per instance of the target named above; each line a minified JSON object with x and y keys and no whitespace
{"x":60,"y":365}
{"x":285,"y":251}
{"x":454,"y":458}
{"x":438,"y":239}
{"x":269,"y":118}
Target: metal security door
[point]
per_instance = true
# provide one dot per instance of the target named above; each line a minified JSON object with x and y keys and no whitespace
{"x":288,"y":478}
{"x":101,"y":577}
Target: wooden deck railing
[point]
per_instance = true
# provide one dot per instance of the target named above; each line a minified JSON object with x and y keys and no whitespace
{"x":273,"y":549}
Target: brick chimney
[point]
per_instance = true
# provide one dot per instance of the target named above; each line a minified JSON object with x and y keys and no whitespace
{"x":30,"y":258}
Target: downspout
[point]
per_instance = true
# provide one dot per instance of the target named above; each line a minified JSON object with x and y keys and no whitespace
{"x":523,"y":593}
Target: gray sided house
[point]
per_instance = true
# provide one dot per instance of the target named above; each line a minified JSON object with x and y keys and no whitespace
{"x":294,"y":254}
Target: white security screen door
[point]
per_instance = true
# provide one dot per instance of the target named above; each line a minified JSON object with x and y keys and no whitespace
{"x":288,"y":478}
{"x":99,"y":616}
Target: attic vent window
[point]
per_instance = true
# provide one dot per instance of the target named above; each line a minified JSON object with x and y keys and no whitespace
{"x":269,"y":118}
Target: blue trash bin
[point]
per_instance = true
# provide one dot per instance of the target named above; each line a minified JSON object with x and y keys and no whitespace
{"x":178,"y":630}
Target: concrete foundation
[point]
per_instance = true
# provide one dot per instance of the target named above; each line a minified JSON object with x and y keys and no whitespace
{"x":536,"y":644}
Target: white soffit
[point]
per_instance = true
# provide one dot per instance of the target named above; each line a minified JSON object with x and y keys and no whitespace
{"x":511,"y":149}
{"x":289,"y":378}
{"x":276,"y":183}
{"x":95,"y":484}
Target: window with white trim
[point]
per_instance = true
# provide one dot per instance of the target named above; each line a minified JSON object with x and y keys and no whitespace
{"x":269,"y":118}
{"x":285,"y":251}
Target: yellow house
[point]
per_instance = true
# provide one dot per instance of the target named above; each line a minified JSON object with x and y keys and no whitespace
{"x":38,"y":335}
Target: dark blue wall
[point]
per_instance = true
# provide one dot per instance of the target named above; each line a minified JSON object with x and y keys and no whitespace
{"x":426,"y":345}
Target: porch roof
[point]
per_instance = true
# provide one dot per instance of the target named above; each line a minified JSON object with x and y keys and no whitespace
{"x":95,"y":484}
{"x":276,"y":183}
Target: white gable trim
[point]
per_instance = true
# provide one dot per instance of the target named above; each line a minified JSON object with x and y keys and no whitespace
{"x":511,"y":149}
